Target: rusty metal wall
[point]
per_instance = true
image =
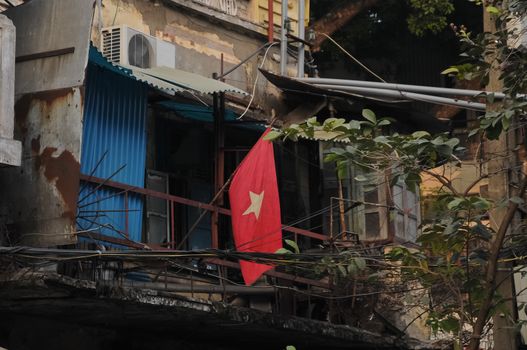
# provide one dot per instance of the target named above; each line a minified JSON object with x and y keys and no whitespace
{"x":114,"y":135}
{"x":51,"y":43}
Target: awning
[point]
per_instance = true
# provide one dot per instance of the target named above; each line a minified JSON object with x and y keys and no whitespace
{"x":205,"y":114}
{"x":165,"y":79}
{"x":399,"y":109}
{"x":187,"y":80}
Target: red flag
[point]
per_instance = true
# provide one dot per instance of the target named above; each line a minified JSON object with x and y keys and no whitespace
{"x":255,"y":207}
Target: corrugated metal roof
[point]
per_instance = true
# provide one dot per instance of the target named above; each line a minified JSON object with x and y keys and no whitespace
{"x":98,"y":59}
{"x":115,"y":125}
{"x":165,"y":79}
{"x":187,"y":80}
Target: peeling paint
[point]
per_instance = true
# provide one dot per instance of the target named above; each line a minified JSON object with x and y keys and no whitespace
{"x":40,"y":196}
{"x":205,"y":43}
{"x":60,"y":170}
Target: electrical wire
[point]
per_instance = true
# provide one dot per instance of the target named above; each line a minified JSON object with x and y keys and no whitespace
{"x":245,"y":60}
{"x":256,"y":82}
{"x":352,"y":57}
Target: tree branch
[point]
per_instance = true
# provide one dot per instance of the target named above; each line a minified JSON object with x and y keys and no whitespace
{"x":338,"y":17}
{"x":490,"y":275}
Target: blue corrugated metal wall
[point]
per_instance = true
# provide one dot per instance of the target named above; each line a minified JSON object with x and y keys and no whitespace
{"x":114,"y":123}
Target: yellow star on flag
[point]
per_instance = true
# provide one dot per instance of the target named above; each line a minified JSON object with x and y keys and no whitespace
{"x":256,"y":204}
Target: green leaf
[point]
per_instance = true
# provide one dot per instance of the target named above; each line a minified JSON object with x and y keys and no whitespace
{"x":420,"y":134}
{"x":342,"y":170}
{"x":493,"y":10}
{"x":360,"y":262}
{"x":272,"y":135}
{"x":455,"y":203}
{"x":290,"y":347}
{"x":293,"y":245}
{"x":354,"y":125}
{"x":283,"y":251}
{"x":473,"y":132}
{"x":450,"y":70}
{"x":369,"y":115}
{"x":505,"y":123}
{"x":312,"y":121}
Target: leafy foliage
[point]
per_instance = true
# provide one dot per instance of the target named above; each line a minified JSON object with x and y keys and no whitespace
{"x":363,"y":146}
{"x":429,"y":15}
{"x":500,"y":51}
{"x":453,"y":253}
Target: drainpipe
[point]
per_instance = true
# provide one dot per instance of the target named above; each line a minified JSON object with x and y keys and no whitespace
{"x":283,"y":39}
{"x":301,"y":35}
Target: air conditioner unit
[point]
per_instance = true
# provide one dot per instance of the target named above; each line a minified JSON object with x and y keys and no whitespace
{"x":128,"y":46}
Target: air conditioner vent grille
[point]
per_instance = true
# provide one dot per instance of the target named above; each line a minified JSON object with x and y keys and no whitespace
{"x":111,"y":44}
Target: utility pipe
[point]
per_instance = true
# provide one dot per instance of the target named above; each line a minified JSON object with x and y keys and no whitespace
{"x":408,"y":95}
{"x":301,"y":36}
{"x":402,"y":87}
{"x":198,"y":288}
{"x":283,"y":40}
{"x":270,"y":20}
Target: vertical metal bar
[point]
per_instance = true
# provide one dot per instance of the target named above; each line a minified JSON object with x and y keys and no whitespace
{"x":219,"y":141}
{"x":301,"y":35}
{"x":221,"y":68}
{"x":172,"y":228}
{"x":283,"y":39}
{"x":126,"y":214}
{"x":341,"y":209}
{"x":331,"y":217}
{"x":270,"y":15}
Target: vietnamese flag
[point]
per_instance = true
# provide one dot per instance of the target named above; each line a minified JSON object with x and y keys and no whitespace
{"x":255,"y":207}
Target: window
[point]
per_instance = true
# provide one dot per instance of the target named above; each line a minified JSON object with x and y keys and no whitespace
{"x":406,"y":213}
{"x":372,"y":209}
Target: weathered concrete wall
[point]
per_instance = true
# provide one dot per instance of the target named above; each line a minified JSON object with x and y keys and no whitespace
{"x":10,"y":150}
{"x":201,"y":35}
{"x":38,"y":200}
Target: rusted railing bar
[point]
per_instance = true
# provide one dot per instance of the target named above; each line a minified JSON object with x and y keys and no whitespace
{"x":189,"y":202}
{"x":273,"y":273}
{"x":307,"y":233}
{"x":110,"y":239}
{"x":155,"y":194}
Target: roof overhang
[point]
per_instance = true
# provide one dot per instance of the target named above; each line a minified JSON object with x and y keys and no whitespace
{"x":167,"y":80}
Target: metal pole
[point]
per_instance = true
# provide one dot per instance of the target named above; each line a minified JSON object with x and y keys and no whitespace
{"x":202,"y":288}
{"x":407,"y":95}
{"x":270,"y":29}
{"x":301,"y":35}
{"x":403,"y":87}
{"x":283,"y":40}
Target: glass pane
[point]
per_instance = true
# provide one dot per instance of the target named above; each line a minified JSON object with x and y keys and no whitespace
{"x":412,"y":230}
{"x":371,"y":196}
{"x":397,"y":192}
{"x":411,"y":203}
{"x":399,"y":225}
{"x":157,"y":229}
{"x":372,"y":225}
